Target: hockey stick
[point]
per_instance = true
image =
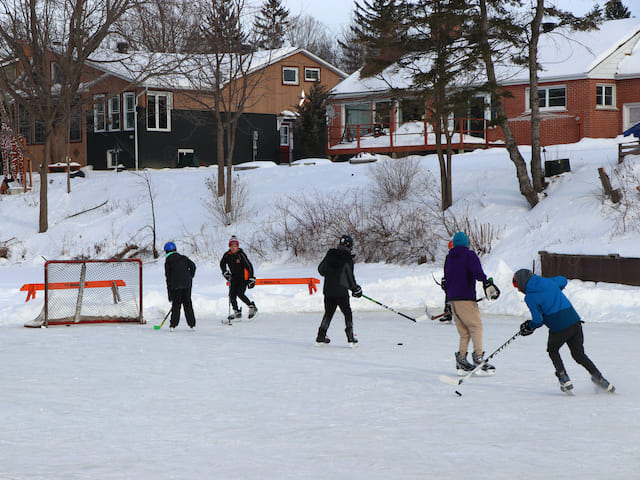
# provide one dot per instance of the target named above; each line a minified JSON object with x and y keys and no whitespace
{"x":457,"y":381}
{"x":158,"y":327}
{"x":435,"y":317}
{"x":389,"y":308}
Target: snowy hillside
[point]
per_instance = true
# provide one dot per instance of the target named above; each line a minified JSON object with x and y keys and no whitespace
{"x":257,"y":400}
{"x":571,"y":219}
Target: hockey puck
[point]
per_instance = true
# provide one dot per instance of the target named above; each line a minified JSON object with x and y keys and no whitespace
{"x":400,"y":344}
{"x":458,"y":393}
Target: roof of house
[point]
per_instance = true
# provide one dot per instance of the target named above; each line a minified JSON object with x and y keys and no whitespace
{"x":611,"y":51}
{"x":187,"y":71}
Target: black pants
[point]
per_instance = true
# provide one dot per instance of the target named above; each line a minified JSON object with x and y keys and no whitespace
{"x":236,"y":290}
{"x":181,"y":297}
{"x":330,"y":306}
{"x":574,"y":339}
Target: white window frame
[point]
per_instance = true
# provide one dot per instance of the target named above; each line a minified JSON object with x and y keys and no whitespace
{"x":604,"y":106}
{"x":284,"y":134}
{"x":115,"y":115}
{"x":126,"y":125}
{"x":546,"y":97}
{"x":290,"y":82}
{"x":169,"y":101}
{"x":311,"y":69}
{"x":99,"y":100}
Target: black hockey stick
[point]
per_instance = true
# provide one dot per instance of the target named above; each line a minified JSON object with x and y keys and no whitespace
{"x":457,"y":381}
{"x":389,"y":308}
{"x":158,"y":327}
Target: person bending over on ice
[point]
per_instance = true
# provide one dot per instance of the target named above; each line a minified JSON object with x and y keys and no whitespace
{"x":179,"y":271}
{"x":462,"y":269}
{"x":238,"y":271}
{"x":550,"y":307}
{"x":337,"y":270}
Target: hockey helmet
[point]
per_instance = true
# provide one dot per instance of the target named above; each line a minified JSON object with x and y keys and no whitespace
{"x":346,"y":241}
{"x":170,"y":247}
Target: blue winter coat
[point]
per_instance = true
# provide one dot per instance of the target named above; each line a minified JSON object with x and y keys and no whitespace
{"x":548,"y":305}
{"x":462,"y":269}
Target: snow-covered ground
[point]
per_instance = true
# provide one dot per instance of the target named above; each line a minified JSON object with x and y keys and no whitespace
{"x":258,"y":400}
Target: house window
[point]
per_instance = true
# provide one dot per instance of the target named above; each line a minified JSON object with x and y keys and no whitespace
{"x":311,"y":74}
{"x":284,"y":135}
{"x":114,"y":113}
{"x":56,"y":74}
{"x":551,"y":98}
{"x":24,"y":125}
{"x":159,"y":111}
{"x":75,"y":126}
{"x":99,"y":114}
{"x":129,"y":100}
{"x":38,"y":133}
{"x":290,"y":75}
{"x":411,"y":110}
{"x":606,"y":96}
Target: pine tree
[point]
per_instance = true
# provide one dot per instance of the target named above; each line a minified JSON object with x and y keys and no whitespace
{"x":614,"y":10}
{"x":381,"y":29}
{"x":270,"y":25}
{"x":310,"y":129}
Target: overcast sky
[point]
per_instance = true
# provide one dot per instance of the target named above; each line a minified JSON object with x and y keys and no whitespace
{"x":337,"y":13}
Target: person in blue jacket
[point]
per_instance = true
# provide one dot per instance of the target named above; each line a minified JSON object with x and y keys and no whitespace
{"x":550,"y":307}
{"x":462,"y":269}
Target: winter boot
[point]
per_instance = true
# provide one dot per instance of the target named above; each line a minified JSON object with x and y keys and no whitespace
{"x":462,"y":366}
{"x":237,"y":313}
{"x":602,"y":383}
{"x":252,"y":310}
{"x":487,"y":369}
{"x":322,"y":338}
{"x":351,"y":338}
{"x":566,"y":385}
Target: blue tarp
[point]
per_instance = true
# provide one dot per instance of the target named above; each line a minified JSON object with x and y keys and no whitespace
{"x":635,"y":131}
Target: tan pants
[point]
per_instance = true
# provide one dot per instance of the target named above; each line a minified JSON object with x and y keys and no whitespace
{"x":469,"y":324}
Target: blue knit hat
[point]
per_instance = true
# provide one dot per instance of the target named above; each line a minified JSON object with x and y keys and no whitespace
{"x":460,"y":239}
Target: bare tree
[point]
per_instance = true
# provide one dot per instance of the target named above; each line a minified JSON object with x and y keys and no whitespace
{"x":306,"y":32}
{"x":50,"y":42}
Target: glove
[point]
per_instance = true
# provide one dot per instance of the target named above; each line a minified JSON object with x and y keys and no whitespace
{"x":443,"y":284}
{"x":251,"y":282}
{"x":357,"y":292}
{"x":490,"y":290}
{"x":526,"y":329}
{"x":227,"y":276}
{"x":448,"y":314}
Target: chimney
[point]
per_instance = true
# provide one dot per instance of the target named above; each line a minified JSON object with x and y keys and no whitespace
{"x":122,"y":47}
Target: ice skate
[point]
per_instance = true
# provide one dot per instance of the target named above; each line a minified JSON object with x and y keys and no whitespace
{"x":322,"y":340}
{"x":237,"y":313}
{"x":351,"y":338}
{"x":603,"y":384}
{"x":252,"y":310}
{"x":462,"y":365}
{"x":566,"y":385}
{"x":486,"y":370}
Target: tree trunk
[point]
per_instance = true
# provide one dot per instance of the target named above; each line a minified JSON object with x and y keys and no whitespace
{"x":510,"y":142}
{"x":220,"y":153}
{"x":43,"y":169}
{"x":536,"y":163}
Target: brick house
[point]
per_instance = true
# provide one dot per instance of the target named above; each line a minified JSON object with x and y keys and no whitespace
{"x":589,"y":87}
{"x":146,"y":110}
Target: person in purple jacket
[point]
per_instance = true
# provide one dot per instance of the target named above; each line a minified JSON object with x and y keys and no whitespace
{"x":462,"y":269}
{"x":550,"y":307}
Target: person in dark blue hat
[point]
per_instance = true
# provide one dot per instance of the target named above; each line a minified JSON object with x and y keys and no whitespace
{"x":179,"y":271}
{"x":462,"y":269}
{"x":550,"y":307}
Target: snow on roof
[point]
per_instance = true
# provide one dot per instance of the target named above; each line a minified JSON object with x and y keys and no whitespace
{"x":185,"y":71}
{"x":563,"y":54}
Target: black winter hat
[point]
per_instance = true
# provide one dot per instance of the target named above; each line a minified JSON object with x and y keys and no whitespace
{"x":521,"y":278}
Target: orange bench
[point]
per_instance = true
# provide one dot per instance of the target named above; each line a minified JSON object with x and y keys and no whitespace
{"x":310,"y":282}
{"x":31,"y":288}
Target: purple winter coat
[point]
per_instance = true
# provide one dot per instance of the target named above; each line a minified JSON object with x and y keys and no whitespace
{"x":462,"y":269}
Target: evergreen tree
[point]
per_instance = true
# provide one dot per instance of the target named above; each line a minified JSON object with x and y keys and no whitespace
{"x":381,"y":29}
{"x":270,"y":25}
{"x":310,"y":128}
{"x":614,"y":10}
{"x":350,"y":51}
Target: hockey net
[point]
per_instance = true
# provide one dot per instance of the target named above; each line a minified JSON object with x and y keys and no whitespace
{"x":91,"y":291}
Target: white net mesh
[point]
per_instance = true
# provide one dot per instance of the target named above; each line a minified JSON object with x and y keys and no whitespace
{"x":93,"y":291}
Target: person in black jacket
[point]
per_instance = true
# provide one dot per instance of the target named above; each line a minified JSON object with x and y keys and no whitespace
{"x":179,"y":271}
{"x":337,"y":270}
{"x":238,"y":271}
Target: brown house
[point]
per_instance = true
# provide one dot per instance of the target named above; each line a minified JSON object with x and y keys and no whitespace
{"x":153,"y":110}
{"x":589,"y":86}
